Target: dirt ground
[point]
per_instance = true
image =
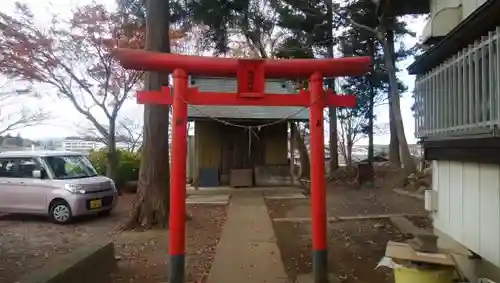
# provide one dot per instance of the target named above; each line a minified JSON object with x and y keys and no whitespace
{"x":345,"y":201}
{"x":355,"y":246}
{"x":28,"y":242}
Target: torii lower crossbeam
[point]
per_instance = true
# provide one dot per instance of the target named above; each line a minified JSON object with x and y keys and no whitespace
{"x":194,"y":97}
{"x":250,"y":76}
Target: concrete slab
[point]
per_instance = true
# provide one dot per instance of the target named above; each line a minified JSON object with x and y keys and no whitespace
{"x":290,"y":195}
{"x":407,"y":227}
{"x":375,"y":216}
{"x":301,"y":219}
{"x":247,"y":251}
{"x":410,"y":194}
{"x":309,"y":278}
{"x":218,"y":188}
{"x":208,"y":199}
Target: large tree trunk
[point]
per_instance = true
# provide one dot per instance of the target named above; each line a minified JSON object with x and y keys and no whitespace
{"x":112,"y":156}
{"x":349,"y":146}
{"x":303,"y":152}
{"x":394,"y":153}
{"x":409,"y":165}
{"x":332,"y":113}
{"x":371,"y":104}
{"x":152,"y":201}
{"x":334,"y":143}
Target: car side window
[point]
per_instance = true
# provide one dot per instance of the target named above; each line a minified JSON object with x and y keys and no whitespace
{"x":25,"y":167}
{"x":18,"y":167}
{"x":7,"y":167}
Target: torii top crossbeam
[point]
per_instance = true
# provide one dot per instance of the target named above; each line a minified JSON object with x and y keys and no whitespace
{"x":250,"y":75}
{"x":227,"y":67}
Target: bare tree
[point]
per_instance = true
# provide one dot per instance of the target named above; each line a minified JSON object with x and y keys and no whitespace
{"x":13,"y":114}
{"x":352,"y":129}
{"x":127,"y":131}
{"x":131,"y":132}
{"x":380,"y":33}
{"x":73,"y":57}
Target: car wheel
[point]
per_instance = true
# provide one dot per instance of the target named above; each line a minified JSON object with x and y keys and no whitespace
{"x":60,"y":212}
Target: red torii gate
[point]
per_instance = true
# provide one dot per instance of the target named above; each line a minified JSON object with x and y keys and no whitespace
{"x":250,"y":74}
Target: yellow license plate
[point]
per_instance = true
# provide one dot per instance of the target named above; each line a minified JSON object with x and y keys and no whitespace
{"x":96,"y":203}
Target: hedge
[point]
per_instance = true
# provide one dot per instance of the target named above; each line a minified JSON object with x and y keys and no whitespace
{"x":128,"y":165}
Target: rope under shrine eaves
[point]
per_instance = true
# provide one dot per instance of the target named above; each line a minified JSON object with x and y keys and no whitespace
{"x":251,"y":129}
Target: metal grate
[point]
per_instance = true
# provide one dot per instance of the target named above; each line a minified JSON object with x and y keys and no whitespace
{"x":461,"y":97}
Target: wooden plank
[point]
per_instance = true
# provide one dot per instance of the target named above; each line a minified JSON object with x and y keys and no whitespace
{"x":405,"y":252}
{"x":344,"y":218}
{"x":374,"y":216}
{"x":406,"y":227}
{"x":410,"y":194}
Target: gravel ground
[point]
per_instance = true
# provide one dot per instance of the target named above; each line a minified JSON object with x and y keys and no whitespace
{"x":28,"y":242}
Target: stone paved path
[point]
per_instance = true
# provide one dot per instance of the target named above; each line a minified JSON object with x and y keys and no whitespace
{"x":247,"y":251}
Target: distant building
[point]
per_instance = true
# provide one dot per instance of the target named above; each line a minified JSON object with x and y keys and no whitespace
{"x":83,"y":145}
{"x":80,"y":145}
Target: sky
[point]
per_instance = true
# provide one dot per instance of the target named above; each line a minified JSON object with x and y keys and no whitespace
{"x":67,"y":122}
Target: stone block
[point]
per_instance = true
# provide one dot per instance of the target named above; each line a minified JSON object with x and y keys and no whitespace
{"x":93,"y":262}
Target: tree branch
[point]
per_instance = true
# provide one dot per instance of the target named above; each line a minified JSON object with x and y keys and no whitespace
{"x":27,"y":119}
{"x":374,"y":31}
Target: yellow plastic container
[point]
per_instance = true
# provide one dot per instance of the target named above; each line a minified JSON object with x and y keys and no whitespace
{"x":414,"y":275}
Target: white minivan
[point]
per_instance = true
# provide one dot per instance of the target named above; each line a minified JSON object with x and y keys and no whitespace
{"x":59,"y":184}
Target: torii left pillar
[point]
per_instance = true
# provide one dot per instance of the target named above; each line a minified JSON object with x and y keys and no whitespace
{"x":317,"y":178}
{"x":251,"y":92}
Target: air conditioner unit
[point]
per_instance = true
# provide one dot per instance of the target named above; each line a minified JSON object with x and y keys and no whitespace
{"x":431,"y":202}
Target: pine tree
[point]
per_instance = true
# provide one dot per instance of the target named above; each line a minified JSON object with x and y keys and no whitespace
{"x":361,"y":16}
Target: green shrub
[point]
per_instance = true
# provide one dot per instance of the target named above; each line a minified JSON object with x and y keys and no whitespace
{"x":127,"y":169}
{"x":128,"y":166}
{"x":98,"y":160}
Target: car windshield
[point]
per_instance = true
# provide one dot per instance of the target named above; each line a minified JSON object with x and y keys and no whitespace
{"x":70,"y":167}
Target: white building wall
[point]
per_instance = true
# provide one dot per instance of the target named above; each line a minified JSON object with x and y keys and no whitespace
{"x":469,"y":6}
{"x":438,"y":5}
{"x":468,"y":205}
{"x":445,"y":15}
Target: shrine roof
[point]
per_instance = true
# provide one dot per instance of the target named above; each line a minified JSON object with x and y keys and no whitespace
{"x":219,"y":84}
